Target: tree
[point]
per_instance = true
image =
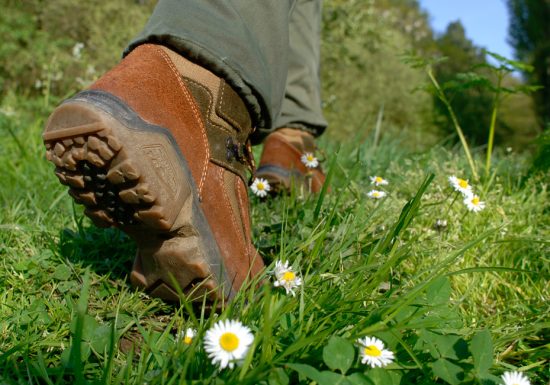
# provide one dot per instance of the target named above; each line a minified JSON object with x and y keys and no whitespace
{"x":530,"y":36}
{"x":471,"y":105}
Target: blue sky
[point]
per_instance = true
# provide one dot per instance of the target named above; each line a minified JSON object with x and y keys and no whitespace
{"x":485,"y":21}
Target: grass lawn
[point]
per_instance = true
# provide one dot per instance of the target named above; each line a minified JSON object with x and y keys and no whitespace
{"x":458,"y":301}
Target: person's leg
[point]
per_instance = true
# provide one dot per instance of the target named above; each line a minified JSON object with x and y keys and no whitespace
{"x":301,"y":117}
{"x":301,"y":107}
{"x":159,"y":145}
{"x":245,"y":42}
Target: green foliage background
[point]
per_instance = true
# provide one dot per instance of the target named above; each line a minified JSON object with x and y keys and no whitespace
{"x":363,"y":72}
{"x":530,"y":37}
{"x":36,"y":54}
{"x":364,"y":78}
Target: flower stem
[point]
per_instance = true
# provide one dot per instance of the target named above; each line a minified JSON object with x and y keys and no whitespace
{"x":451,"y":205}
{"x":443,"y":98}
{"x":492,"y":126}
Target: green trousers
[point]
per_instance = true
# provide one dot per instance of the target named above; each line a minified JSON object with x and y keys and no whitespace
{"x":268,"y":50}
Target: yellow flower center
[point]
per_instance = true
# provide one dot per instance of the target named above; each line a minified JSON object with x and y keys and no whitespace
{"x":310,"y":158}
{"x":475,"y":201}
{"x":229,"y":341}
{"x":260,"y":186}
{"x":187,"y":340}
{"x":378,"y":179}
{"x":373,"y":351}
{"x":463,"y":183}
{"x":376,"y":194}
{"x":289,"y":276}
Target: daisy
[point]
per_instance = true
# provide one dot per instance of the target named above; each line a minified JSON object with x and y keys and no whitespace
{"x":188,"y":335}
{"x":373,"y":353}
{"x":461,"y":185}
{"x":378,"y":180}
{"x":376,"y":194}
{"x":260,"y":187}
{"x":227,"y":342}
{"x":440,"y":224}
{"x":515,"y":378}
{"x":285,"y":277}
{"x":473,"y":203}
{"x":309,"y":160}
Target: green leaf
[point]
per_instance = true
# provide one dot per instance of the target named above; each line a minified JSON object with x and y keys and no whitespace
{"x":481,"y":347}
{"x":447,"y":346}
{"x":278,"y":377}
{"x":100,"y":338}
{"x":439,"y":291}
{"x":339,"y":354}
{"x":359,"y":379}
{"x":447,"y":371}
{"x":322,"y":378}
{"x":512,"y":64}
{"x":468,"y":80}
{"x":381,"y":376}
{"x":490,"y":379}
{"x":22,"y":265}
{"x":88,"y":326}
{"x":326,"y":184}
{"x":62,"y":273}
{"x":306,"y":371}
{"x":68,"y":362}
{"x":331,"y":378}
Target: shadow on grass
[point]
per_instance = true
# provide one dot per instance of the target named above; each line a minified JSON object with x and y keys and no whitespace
{"x":105,"y":251}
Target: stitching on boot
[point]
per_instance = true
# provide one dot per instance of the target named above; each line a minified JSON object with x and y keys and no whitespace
{"x":195,"y":112}
{"x":248,"y":241}
{"x":213,"y":129}
{"x":210,"y":104}
{"x":243,"y":215}
{"x":227,"y":202}
{"x":225,"y":116}
{"x":190,"y":70}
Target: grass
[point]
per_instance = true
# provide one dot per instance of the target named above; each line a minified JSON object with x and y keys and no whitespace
{"x":457,"y":305}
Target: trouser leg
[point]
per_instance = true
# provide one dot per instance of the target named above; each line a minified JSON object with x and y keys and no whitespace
{"x":243,"y":41}
{"x":301,"y":106}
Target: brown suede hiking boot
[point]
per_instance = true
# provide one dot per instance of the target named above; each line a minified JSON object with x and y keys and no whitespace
{"x":281,"y":161}
{"x":159,"y":148}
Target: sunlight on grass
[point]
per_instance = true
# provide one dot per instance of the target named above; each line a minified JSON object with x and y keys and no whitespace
{"x":457,"y":296}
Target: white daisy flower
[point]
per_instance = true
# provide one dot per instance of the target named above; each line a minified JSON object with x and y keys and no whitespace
{"x":378,"y":180}
{"x":373,"y":352}
{"x":187,"y":336}
{"x":227,"y":343}
{"x":515,"y":378}
{"x":440,"y":224}
{"x":285,"y":277}
{"x":473,"y":203}
{"x":77,"y":49}
{"x":260,"y":187}
{"x":461,"y":185}
{"x":376,"y":194}
{"x":309,"y":160}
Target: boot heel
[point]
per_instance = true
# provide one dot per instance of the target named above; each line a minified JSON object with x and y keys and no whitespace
{"x":130,"y":174}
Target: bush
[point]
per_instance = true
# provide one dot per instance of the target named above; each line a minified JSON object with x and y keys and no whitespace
{"x":362,"y":71}
{"x":58,"y":46}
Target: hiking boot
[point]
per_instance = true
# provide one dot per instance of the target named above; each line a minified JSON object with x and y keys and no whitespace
{"x":282,"y":165}
{"x":158,"y":147}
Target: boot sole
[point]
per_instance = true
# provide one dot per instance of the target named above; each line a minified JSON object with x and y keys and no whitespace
{"x":132,"y":175}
